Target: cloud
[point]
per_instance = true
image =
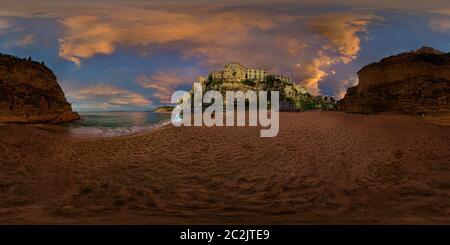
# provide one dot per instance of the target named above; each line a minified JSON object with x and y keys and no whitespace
{"x":343,"y":85}
{"x":304,"y":45}
{"x":291,"y":46}
{"x":18,"y":39}
{"x":86,"y":36}
{"x":312,"y":72}
{"x":165,"y":82}
{"x":266,"y":39}
{"x":5,"y":24}
{"x":108,"y":96}
{"x":25,"y":40}
{"x":341,"y":30}
{"x":342,"y":45}
{"x":440,"y":25}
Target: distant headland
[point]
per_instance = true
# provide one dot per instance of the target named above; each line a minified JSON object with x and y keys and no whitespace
{"x":163,"y":109}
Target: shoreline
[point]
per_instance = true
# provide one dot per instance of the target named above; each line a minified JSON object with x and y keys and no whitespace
{"x":64,"y":131}
{"x":440,"y":120}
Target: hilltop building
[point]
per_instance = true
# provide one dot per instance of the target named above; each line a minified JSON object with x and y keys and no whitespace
{"x":235,"y":76}
{"x":256,"y":74}
{"x":234,"y":71}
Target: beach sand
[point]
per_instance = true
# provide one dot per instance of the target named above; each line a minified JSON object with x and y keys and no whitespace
{"x":323,"y":167}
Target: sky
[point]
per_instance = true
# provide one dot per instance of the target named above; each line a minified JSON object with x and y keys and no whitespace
{"x":132,"y":55}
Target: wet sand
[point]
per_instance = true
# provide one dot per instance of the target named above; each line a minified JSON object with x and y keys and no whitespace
{"x":323,"y":167}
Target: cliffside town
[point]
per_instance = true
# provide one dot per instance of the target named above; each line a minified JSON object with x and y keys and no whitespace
{"x":236,"y":77}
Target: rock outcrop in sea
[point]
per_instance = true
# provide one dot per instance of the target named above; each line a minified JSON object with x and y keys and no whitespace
{"x":163,"y":109}
{"x":30,"y":93}
{"x":416,"y":82}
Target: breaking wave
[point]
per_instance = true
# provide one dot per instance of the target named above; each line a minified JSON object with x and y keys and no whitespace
{"x":88,"y":132}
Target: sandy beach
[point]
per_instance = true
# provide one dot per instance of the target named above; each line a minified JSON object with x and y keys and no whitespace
{"x":323,"y":167}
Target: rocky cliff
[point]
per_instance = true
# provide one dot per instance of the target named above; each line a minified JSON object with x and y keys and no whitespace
{"x":29,"y":93}
{"x":416,"y":82}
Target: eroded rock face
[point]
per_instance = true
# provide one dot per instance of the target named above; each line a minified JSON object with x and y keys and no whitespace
{"x":417,"y":82}
{"x":29,"y":93}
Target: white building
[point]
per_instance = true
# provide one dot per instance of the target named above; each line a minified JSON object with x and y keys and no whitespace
{"x":235,"y":72}
{"x":256,"y":74}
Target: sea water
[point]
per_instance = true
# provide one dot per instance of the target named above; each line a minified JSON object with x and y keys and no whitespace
{"x":110,"y":124}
